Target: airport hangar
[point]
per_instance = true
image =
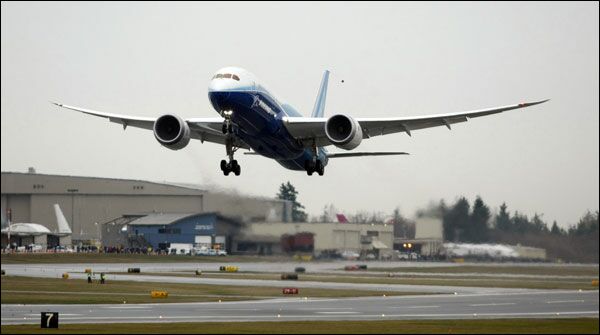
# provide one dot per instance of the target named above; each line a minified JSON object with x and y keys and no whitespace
{"x":87,"y":202}
{"x":241,"y":224}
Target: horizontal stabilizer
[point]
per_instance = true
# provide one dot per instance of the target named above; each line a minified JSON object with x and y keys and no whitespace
{"x":358,"y":154}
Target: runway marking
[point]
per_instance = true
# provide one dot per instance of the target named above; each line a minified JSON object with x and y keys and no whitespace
{"x":563,"y":301}
{"x":61,"y":314}
{"x":128,"y":307}
{"x":337,"y":312}
{"x":412,"y":307}
{"x":324,"y":308}
{"x":495,"y":304}
{"x":362,"y":316}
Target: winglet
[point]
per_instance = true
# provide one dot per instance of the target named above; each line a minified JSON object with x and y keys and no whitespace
{"x":319,"y":108}
{"x":527,"y":104}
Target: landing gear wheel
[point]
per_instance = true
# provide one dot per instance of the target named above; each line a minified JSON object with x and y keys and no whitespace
{"x":223,"y":165}
{"x":237,"y":170}
{"x":224,"y":128}
{"x":309,"y":167}
{"x":319,"y":168}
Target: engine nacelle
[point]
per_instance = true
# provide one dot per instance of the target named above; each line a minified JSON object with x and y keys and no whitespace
{"x":172,"y":131}
{"x":343,"y":131}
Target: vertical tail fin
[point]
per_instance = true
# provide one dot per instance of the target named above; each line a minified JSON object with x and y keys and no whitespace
{"x":63,"y":225}
{"x":319,"y":109}
{"x":342,"y":218}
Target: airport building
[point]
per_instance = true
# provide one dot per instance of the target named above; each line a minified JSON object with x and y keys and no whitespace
{"x":184,"y":231}
{"x":87,"y":202}
{"x":164,"y":231}
{"x":428,"y":241}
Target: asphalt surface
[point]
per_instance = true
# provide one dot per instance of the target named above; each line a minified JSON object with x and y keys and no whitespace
{"x":76,"y":272}
{"x":539,"y":304}
{"x":451,"y":302}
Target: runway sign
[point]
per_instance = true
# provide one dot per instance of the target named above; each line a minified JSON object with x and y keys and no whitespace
{"x":49,"y":320}
{"x":290,"y":290}
{"x":159,"y":294}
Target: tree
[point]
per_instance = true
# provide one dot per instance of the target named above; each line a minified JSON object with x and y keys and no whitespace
{"x":556,"y":230}
{"x":402,"y":226}
{"x":288,"y":192}
{"x":588,"y":224}
{"x":503,"y":221}
{"x":455,"y":220}
{"x":478,"y":229}
{"x":538,"y":224}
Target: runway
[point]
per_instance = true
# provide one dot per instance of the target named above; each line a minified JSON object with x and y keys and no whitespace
{"x":76,"y":272}
{"x":532,"y":304}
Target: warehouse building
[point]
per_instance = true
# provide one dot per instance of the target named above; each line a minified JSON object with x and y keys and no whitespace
{"x":87,"y":202}
{"x":269,"y":237}
{"x":161,"y":231}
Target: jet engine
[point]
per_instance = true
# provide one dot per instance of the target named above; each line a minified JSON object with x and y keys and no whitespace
{"x":172,"y":131}
{"x":343,"y":131}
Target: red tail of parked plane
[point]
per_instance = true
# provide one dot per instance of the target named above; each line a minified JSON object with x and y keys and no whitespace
{"x":342,"y":218}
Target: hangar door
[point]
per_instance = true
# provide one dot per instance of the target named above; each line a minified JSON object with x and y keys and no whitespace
{"x":203,"y":240}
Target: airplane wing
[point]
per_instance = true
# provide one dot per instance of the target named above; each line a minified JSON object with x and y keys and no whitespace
{"x":306,"y":128}
{"x":203,"y":129}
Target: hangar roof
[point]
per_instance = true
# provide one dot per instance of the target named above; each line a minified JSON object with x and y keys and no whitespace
{"x":160,"y":219}
{"x":37,"y":183}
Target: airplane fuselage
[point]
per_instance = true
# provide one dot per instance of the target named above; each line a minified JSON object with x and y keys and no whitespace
{"x":256,"y":117}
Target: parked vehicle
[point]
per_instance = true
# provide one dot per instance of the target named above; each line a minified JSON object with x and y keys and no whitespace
{"x":60,"y":248}
{"x":350,"y":255}
{"x":34,"y":247}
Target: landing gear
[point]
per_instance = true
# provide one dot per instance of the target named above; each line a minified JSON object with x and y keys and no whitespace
{"x":232,"y":165}
{"x":312,"y":167}
{"x":227,"y":127}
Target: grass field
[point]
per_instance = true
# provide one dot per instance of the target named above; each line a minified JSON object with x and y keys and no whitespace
{"x":533,"y":326}
{"x":533,"y":283}
{"x":26,"y":290}
{"x":129,"y":258}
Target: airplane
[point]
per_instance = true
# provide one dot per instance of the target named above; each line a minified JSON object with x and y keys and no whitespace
{"x":34,"y":229}
{"x":252,"y":118}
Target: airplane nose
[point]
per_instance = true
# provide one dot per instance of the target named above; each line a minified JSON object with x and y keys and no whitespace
{"x":219,"y":100}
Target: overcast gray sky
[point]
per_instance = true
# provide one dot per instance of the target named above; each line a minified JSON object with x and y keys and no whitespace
{"x":397,"y":59}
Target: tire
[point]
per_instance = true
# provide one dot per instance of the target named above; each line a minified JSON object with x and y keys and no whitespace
{"x":226,"y":172}
{"x":223,"y":165}
{"x":237,"y":169}
{"x":224,"y":128}
{"x":319,"y":167}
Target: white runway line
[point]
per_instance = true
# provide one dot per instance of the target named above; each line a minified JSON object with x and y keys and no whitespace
{"x":563,"y":301}
{"x":338,"y":312}
{"x":413,"y":307}
{"x":495,"y":304}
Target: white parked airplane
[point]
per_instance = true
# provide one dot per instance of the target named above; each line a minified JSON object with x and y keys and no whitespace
{"x":252,"y":118}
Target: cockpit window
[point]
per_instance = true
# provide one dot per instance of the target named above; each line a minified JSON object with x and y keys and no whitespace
{"x":227,"y":75}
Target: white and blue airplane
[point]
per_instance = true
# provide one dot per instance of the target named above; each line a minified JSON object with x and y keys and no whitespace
{"x":252,"y":118}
